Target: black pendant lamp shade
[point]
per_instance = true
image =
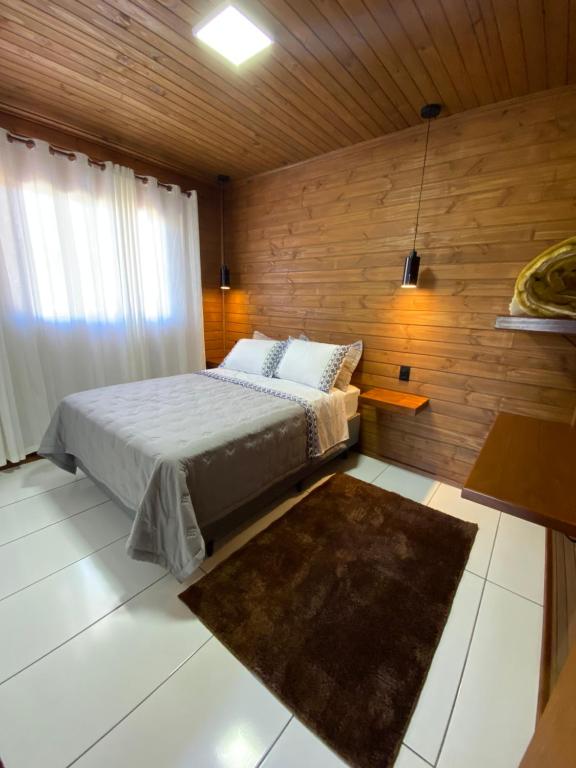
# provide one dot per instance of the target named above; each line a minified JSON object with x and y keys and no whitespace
{"x":224,"y":269}
{"x":411,"y":269}
{"x":224,"y":277}
{"x":412,"y":263}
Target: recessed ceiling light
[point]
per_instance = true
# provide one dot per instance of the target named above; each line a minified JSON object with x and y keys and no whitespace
{"x":233,"y":35}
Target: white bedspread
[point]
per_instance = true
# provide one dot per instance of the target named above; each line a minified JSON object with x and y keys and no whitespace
{"x":330,"y":409}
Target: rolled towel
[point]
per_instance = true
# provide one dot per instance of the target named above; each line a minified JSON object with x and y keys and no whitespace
{"x":546,"y":287}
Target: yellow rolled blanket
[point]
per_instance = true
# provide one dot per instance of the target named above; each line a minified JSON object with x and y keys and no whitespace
{"x":546,"y":287}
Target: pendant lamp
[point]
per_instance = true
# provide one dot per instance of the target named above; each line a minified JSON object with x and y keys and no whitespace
{"x":412,"y":263}
{"x":224,"y":269}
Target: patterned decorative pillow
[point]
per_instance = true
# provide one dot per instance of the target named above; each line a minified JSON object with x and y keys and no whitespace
{"x":273,"y":358}
{"x":262,"y":336}
{"x":349,"y":365}
{"x":259,"y":356}
{"x":312,"y":363}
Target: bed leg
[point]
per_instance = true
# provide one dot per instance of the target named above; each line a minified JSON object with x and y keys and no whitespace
{"x":209,"y":547}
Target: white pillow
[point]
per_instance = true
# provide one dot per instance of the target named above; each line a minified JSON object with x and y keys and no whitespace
{"x":349,"y":364}
{"x":311,"y":363}
{"x":258,"y":356}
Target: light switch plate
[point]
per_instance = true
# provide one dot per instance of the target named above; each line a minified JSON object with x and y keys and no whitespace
{"x":404,"y":373}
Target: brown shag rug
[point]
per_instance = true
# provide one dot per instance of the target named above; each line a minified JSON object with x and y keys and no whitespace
{"x":338,"y":608}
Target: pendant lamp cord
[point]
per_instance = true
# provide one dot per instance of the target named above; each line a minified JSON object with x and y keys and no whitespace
{"x":222,"y":293}
{"x":422,"y":182}
{"x":221,"y":223}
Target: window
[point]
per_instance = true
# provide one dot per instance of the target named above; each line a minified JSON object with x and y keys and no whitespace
{"x":94,"y":287}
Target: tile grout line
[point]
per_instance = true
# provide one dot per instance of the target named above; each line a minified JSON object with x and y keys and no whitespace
{"x":484,"y":581}
{"x":276,"y":740}
{"x":436,"y":489}
{"x":428,"y":499}
{"x":139,"y":704}
{"x":47,"y":576}
{"x":517,"y":594}
{"x":41,"y":493}
{"x":418,"y":754}
{"x":56,"y":522}
{"x":377,"y":476}
{"x":76,"y":634}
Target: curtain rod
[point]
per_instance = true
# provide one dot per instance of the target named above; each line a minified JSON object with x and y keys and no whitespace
{"x":71,"y":155}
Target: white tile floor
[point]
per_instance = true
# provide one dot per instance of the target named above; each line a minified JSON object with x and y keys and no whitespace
{"x":101,"y":664}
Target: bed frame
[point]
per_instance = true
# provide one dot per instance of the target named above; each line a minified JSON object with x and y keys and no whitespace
{"x":219,"y":529}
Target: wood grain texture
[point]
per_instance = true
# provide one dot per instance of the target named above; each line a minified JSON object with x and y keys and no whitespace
{"x":319,"y":248}
{"x":525,"y":468}
{"x":391,"y":400}
{"x":130,"y":73}
{"x":559,"y":629}
{"x":553,"y":742}
{"x":208,"y":208}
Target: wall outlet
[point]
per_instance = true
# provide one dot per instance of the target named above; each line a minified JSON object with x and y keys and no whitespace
{"x":404,"y":373}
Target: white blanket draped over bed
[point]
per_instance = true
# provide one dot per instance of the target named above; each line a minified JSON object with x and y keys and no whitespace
{"x":182,"y":451}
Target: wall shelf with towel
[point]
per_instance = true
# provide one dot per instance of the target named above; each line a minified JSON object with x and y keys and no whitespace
{"x":538,"y":324}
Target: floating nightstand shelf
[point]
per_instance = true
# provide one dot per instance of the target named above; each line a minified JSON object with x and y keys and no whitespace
{"x":390,"y":400}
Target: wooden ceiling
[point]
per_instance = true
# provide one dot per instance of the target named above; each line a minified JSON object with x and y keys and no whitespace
{"x":130,"y":73}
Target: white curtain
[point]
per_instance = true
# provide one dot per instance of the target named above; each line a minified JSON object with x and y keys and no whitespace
{"x":99,"y":284}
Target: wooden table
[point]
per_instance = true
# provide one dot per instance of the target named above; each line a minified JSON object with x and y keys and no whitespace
{"x":527,"y":468}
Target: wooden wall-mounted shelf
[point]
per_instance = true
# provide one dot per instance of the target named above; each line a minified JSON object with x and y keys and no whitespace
{"x":537,"y":324}
{"x":390,"y":400}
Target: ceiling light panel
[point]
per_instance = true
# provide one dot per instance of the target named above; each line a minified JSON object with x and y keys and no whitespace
{"x":233,"y":36}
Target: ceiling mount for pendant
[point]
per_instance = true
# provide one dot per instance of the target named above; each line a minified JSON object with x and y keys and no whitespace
{"x":430,"y":111}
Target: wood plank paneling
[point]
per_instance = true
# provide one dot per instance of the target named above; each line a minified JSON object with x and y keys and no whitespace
{"x":319,"y":248}
{"x":130,"y":73}
{"x":559,"y":636}
{"x":208,"y":208}
{"x":553,"y":741}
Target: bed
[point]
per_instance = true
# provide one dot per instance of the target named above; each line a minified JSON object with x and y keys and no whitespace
{"x":182,"y":453}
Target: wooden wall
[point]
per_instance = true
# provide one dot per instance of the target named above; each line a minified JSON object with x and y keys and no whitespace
{"x":208,"y":207}
{"x":319,"y":247}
